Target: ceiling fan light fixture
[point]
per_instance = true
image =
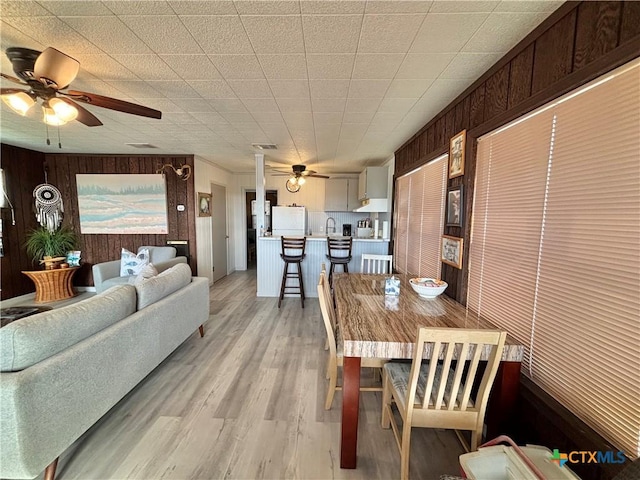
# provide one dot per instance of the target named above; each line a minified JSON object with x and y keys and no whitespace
{"x":293,"y":180}
{"x":301,"y":181}
{"x":19,"y":102}
{"x":56,"y":69}
{"x":63,"y":110}
{"x":50,"y":118}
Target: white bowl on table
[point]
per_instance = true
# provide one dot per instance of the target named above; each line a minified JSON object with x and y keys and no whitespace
{"x":428,"y":287}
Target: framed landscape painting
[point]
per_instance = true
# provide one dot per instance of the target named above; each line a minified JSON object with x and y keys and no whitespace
{"x":452,"y":251}
{"x":456,"y":154}
{"x":122,"y":203}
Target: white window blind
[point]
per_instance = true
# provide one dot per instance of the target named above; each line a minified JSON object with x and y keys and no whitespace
{"x":420,"y":205}
{"x":579,"y":304}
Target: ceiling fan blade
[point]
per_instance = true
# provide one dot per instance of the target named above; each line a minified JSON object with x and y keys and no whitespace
{"x":316,"y":175}
{"x":12,"y":79}
{"x":113,"y":104}
{"x":84,"y":115}
{"x":54,"y":66}
{"x":8,"y":91}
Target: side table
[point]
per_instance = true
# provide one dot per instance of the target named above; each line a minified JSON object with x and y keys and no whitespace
{"x":52,"y":285}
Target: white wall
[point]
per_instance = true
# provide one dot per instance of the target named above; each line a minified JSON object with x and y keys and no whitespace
{"x":204,"y":175}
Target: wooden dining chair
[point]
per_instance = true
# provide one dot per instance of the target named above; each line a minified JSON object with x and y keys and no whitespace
{"x":335,"y":348}
{"x":438,"y":394}
{"x":371,"y":263}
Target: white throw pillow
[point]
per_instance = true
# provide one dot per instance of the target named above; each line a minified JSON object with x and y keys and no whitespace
{"x":146,"y":272}
{"x":131,"y":264}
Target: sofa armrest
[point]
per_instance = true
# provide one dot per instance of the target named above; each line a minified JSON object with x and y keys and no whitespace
{"x":105,"y":271}
{"x":162,"y":266}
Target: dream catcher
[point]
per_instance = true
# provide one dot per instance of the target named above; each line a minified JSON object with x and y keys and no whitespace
{"x":49,"y":208}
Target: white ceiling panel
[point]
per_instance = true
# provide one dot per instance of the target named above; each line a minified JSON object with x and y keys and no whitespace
{"x":274,"y":34}
{"x":342,"y":81}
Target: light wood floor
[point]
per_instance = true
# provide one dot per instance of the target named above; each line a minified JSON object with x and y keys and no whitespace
{"x":246,"y":402}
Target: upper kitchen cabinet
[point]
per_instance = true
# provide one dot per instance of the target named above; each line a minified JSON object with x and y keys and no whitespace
{"x":341,"y":194}
{"x":372,"y":183}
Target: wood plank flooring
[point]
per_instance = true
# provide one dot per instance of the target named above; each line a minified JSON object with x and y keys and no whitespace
{"x":246,"y":402}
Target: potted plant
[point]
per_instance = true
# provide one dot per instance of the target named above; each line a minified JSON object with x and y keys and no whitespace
{"x":43,"y":244}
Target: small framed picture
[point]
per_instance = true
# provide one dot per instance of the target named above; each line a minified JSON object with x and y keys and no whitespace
{"x":452,"y":251}
{"x":204,"y":204}
{"x":454,"y":206}
{"x":456,"y":154}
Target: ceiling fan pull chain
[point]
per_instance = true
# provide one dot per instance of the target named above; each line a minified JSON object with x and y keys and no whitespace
{"x":46,"y":126}
{"x":59,"y":143}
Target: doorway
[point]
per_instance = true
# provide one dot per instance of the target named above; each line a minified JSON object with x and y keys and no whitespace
{"x":252,"y":247}
{"x":219,"y":237}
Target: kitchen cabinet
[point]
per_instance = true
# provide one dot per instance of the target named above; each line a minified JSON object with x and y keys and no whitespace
{"x":372,"y":183}
{"x":341,"y":195}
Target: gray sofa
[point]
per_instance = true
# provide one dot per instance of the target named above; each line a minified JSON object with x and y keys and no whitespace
{"x":107,"y":274}
{"x":63,"y":369}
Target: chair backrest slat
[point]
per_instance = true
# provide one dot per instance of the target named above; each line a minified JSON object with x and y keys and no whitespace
{"x":379,"y":264}
{"x":293,"y":246}
{"x":457,"y":377}
{"x":471,"y":373}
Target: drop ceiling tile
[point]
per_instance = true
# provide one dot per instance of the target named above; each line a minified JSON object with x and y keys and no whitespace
{"x":328,"y":104}
{"x":204,"y":7}
{"x":76,"y":8}
{"x":366,"y":105}
{"x":104,"y":67}
{"x":52,"y":32}
{"x":424,"y":65}
{"x":109,"y":34}
{"x":368,"y":88}
{"x":251,"y":88}
{"x":211,"y":118}
{"x":148,"y":7}
{"x":320,"y":118}
{"x":502,"y":31}
{"x":147,"y":67}
{"x":237,"y":66}
{"x":292,"y":66}
{"x":331,"y":33}
{"x":272,"y":7}
{"x":238,"y":117}
{"x":331,"y":6}
{"x":218,"y":34}
{"x":290,"y":88}
{"x":164,"y":105}
{"x":22,"y":8}
{"x":329,"y":88}
{"x":294,"y":104}
{"x":358,"y":117}
{"x":192,"y":67}
{"x":179,"y":118}
{"x":228,"y":105}
{"x":97,"y":86}
{"x":12,"y":37}
{"x":397,"y":105}
{"x":388,"y":33}
{"x":164,"y":34}
{"x":298,"y":121}
{"x":398,"y":6}
{"x":377,"y":65}
{"x":528,"y":6}
{"x":212,"y":88}
{"x":470,"y":65}
{"x":446,"y":32}
{"x":441,"y":92}
{"x":261,"y":105}
{"x":269,"y":121}
{"x":333,"y":66}
{"x":456,"y":6}
{"x":387,"y":118}
{"x":402,"y":88}
{"x":328,"y":131}
{"x":174,"y":88}
{"x":193,"y":105}
{"x":136,"y":88}
{"x":274,"y":34}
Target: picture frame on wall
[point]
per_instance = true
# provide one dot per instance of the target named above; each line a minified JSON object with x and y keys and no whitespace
{"x":455,"y":211}
{"x":457,"y":146}
{"x":204,"y":204}
{"x":452,"y":251}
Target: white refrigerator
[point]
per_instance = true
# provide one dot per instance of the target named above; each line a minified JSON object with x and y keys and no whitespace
{"x":288,"y":221}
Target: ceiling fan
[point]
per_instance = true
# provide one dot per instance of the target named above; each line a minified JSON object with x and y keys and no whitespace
{"x":45,"y":74}
{"x":297,"y":177}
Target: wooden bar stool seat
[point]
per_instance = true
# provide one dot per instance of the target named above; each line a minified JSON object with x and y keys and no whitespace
{"x":292,"y":253}
{"x":339,"y":253}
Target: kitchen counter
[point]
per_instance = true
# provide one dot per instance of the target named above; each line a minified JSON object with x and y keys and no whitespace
{"x":270,"y":264}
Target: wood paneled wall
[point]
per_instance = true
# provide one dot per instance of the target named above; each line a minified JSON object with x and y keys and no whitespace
{"x":26,"y":168}
{"x":576,"y":44}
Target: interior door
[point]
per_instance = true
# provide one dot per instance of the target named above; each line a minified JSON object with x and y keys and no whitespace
{"x":219,"y":234}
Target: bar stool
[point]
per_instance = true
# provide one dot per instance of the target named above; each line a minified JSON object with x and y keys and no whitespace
{"x":339,"y":253}
{"x":292,"y":252}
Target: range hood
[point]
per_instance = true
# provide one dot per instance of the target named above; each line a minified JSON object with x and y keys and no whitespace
{"x":373,"y":205}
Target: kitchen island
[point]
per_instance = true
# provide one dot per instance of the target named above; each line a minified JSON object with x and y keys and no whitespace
{"x":270,"y":264}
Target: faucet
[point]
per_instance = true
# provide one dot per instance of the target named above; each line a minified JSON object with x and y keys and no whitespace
{"x":326,"y":226}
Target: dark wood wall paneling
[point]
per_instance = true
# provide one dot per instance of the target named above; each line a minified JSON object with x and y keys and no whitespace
{"x":576,"y":44}
{"x":24,"y":170}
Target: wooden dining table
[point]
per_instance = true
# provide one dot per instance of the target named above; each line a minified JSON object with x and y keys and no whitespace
{"x":373,"y":325}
